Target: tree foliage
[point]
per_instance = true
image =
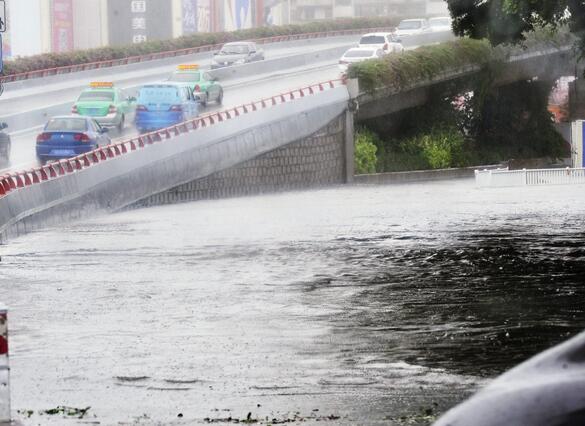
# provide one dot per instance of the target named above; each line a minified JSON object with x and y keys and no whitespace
{"x":503,"y":21}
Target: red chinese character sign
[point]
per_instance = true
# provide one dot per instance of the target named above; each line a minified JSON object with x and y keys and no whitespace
{"x":62,"y":25}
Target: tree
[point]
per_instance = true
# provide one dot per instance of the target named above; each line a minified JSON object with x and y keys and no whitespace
{"x":503,"y":21}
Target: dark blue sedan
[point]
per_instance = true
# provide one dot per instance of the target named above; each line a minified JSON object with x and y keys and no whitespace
{"x":69,"y":136}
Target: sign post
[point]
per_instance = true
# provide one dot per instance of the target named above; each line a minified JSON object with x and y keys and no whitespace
{"x":2,"y":30}
{"x":2,"y":16}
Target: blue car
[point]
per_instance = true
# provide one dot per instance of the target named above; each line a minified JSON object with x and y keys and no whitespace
{"x":162,"y":105}
{"x":68,"y":136}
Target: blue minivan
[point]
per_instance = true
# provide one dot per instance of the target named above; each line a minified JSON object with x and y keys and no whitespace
{"x":161,"y":105}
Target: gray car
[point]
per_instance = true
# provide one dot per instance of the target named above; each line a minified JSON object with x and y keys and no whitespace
{"x":236,"y":53}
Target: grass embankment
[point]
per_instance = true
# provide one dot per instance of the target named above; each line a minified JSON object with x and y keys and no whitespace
{"x":53,"y":60}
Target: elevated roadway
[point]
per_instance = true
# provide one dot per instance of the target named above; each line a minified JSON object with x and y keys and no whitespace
{"x":26,"y":105}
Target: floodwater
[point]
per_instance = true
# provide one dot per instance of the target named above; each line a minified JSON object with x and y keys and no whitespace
{"x":350,"y":305}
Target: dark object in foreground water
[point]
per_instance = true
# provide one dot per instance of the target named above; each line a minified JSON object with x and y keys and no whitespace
{"x":546,"y":390}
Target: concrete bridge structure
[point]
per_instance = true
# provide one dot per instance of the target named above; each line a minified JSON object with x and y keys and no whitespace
{"x":298,"y":139}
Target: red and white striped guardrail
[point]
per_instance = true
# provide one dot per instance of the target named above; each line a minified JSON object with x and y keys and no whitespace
{"x":170,"y":54}
{"x":4,"y":368}
{"x":14,"y":181}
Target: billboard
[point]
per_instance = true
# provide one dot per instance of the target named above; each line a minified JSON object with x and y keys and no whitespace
{"x":237,"y":14}
{"x":196,"y":16}
{"x":61,"y":25}
{"x":189,"y":14}
{"x":6,"y":46}
{"x":203,"y":16}
{"x":137,"y":21}
{"x":24,"y":27}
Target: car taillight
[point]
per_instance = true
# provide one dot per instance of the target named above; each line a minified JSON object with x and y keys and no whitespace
{"x":80,"y":137}
{"x":74,"y":110}
{"x":176,"y":108}
{"x":43,"y":137}
{"x":141,"y":108}
{"x":343,"y":62}
{"x":197,"y":88}
{"x":385,"y":46}
{"x":112,"y":109}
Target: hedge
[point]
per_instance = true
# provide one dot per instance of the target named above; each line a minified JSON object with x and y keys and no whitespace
{"x":423,"y":63}
{"x":426,"y":62}
{"x":53,"y":60}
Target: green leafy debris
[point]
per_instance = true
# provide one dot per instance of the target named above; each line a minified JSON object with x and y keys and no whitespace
{"x":67,"y":411}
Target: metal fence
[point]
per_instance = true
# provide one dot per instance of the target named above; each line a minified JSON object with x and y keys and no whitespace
{"x":524,"y":177}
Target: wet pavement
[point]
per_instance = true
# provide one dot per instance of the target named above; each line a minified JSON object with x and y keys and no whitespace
{"x":351,"y":305}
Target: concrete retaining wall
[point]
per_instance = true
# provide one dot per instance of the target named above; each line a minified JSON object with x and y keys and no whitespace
{"x":122,"y":181}
{"x":314,"y":161}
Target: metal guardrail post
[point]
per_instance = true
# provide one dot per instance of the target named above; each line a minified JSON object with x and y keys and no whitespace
{"x":4,"y":368}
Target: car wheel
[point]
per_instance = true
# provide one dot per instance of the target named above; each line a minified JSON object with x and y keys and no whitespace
{"x":120,"y":125}
{"x":5,"y":152}
{"x":220,"y":97}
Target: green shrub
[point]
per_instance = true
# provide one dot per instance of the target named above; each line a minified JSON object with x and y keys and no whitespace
{"x":439,"y":148}
{"x":53,"y":60}
{"x":365,"y":151}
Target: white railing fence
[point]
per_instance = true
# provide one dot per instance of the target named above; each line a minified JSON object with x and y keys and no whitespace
{"x":524,"y":177}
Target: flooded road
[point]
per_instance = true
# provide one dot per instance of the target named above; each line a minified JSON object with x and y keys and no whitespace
{"x":350,"y":305}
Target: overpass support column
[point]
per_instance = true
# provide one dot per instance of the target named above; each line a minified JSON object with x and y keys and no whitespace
{"x":577,"y":99}
{"x":349,"y":147}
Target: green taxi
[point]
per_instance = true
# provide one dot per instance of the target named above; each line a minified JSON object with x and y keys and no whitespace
{"x":204,"y":86}
{"x":108,"y":105}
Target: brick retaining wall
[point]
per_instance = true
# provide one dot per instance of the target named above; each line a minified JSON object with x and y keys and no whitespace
{"x":318,"y":160}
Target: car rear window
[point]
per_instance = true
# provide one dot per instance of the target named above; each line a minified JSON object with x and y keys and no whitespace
{"x":95,"y":95}
{"x":234,"y":49}
{"x":436,"y":22}
{"x":67,"y":124}
{"x":186,"y":77}
{"x":158,"y":94}
{"x":409,"y":25}
{"x":359,"y":53}
{"x":372,"y":40}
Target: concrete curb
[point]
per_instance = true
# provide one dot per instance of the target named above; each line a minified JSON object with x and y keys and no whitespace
{"x":420,"y":175}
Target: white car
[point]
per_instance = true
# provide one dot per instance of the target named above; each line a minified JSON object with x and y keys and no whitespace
{"x":358,"y":54}
{"x":410,"y":27}
{"x":440,"y":24}
{"x":388,"y":42}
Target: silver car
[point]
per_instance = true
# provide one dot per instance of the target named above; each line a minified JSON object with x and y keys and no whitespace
{"x":236,"y":53}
